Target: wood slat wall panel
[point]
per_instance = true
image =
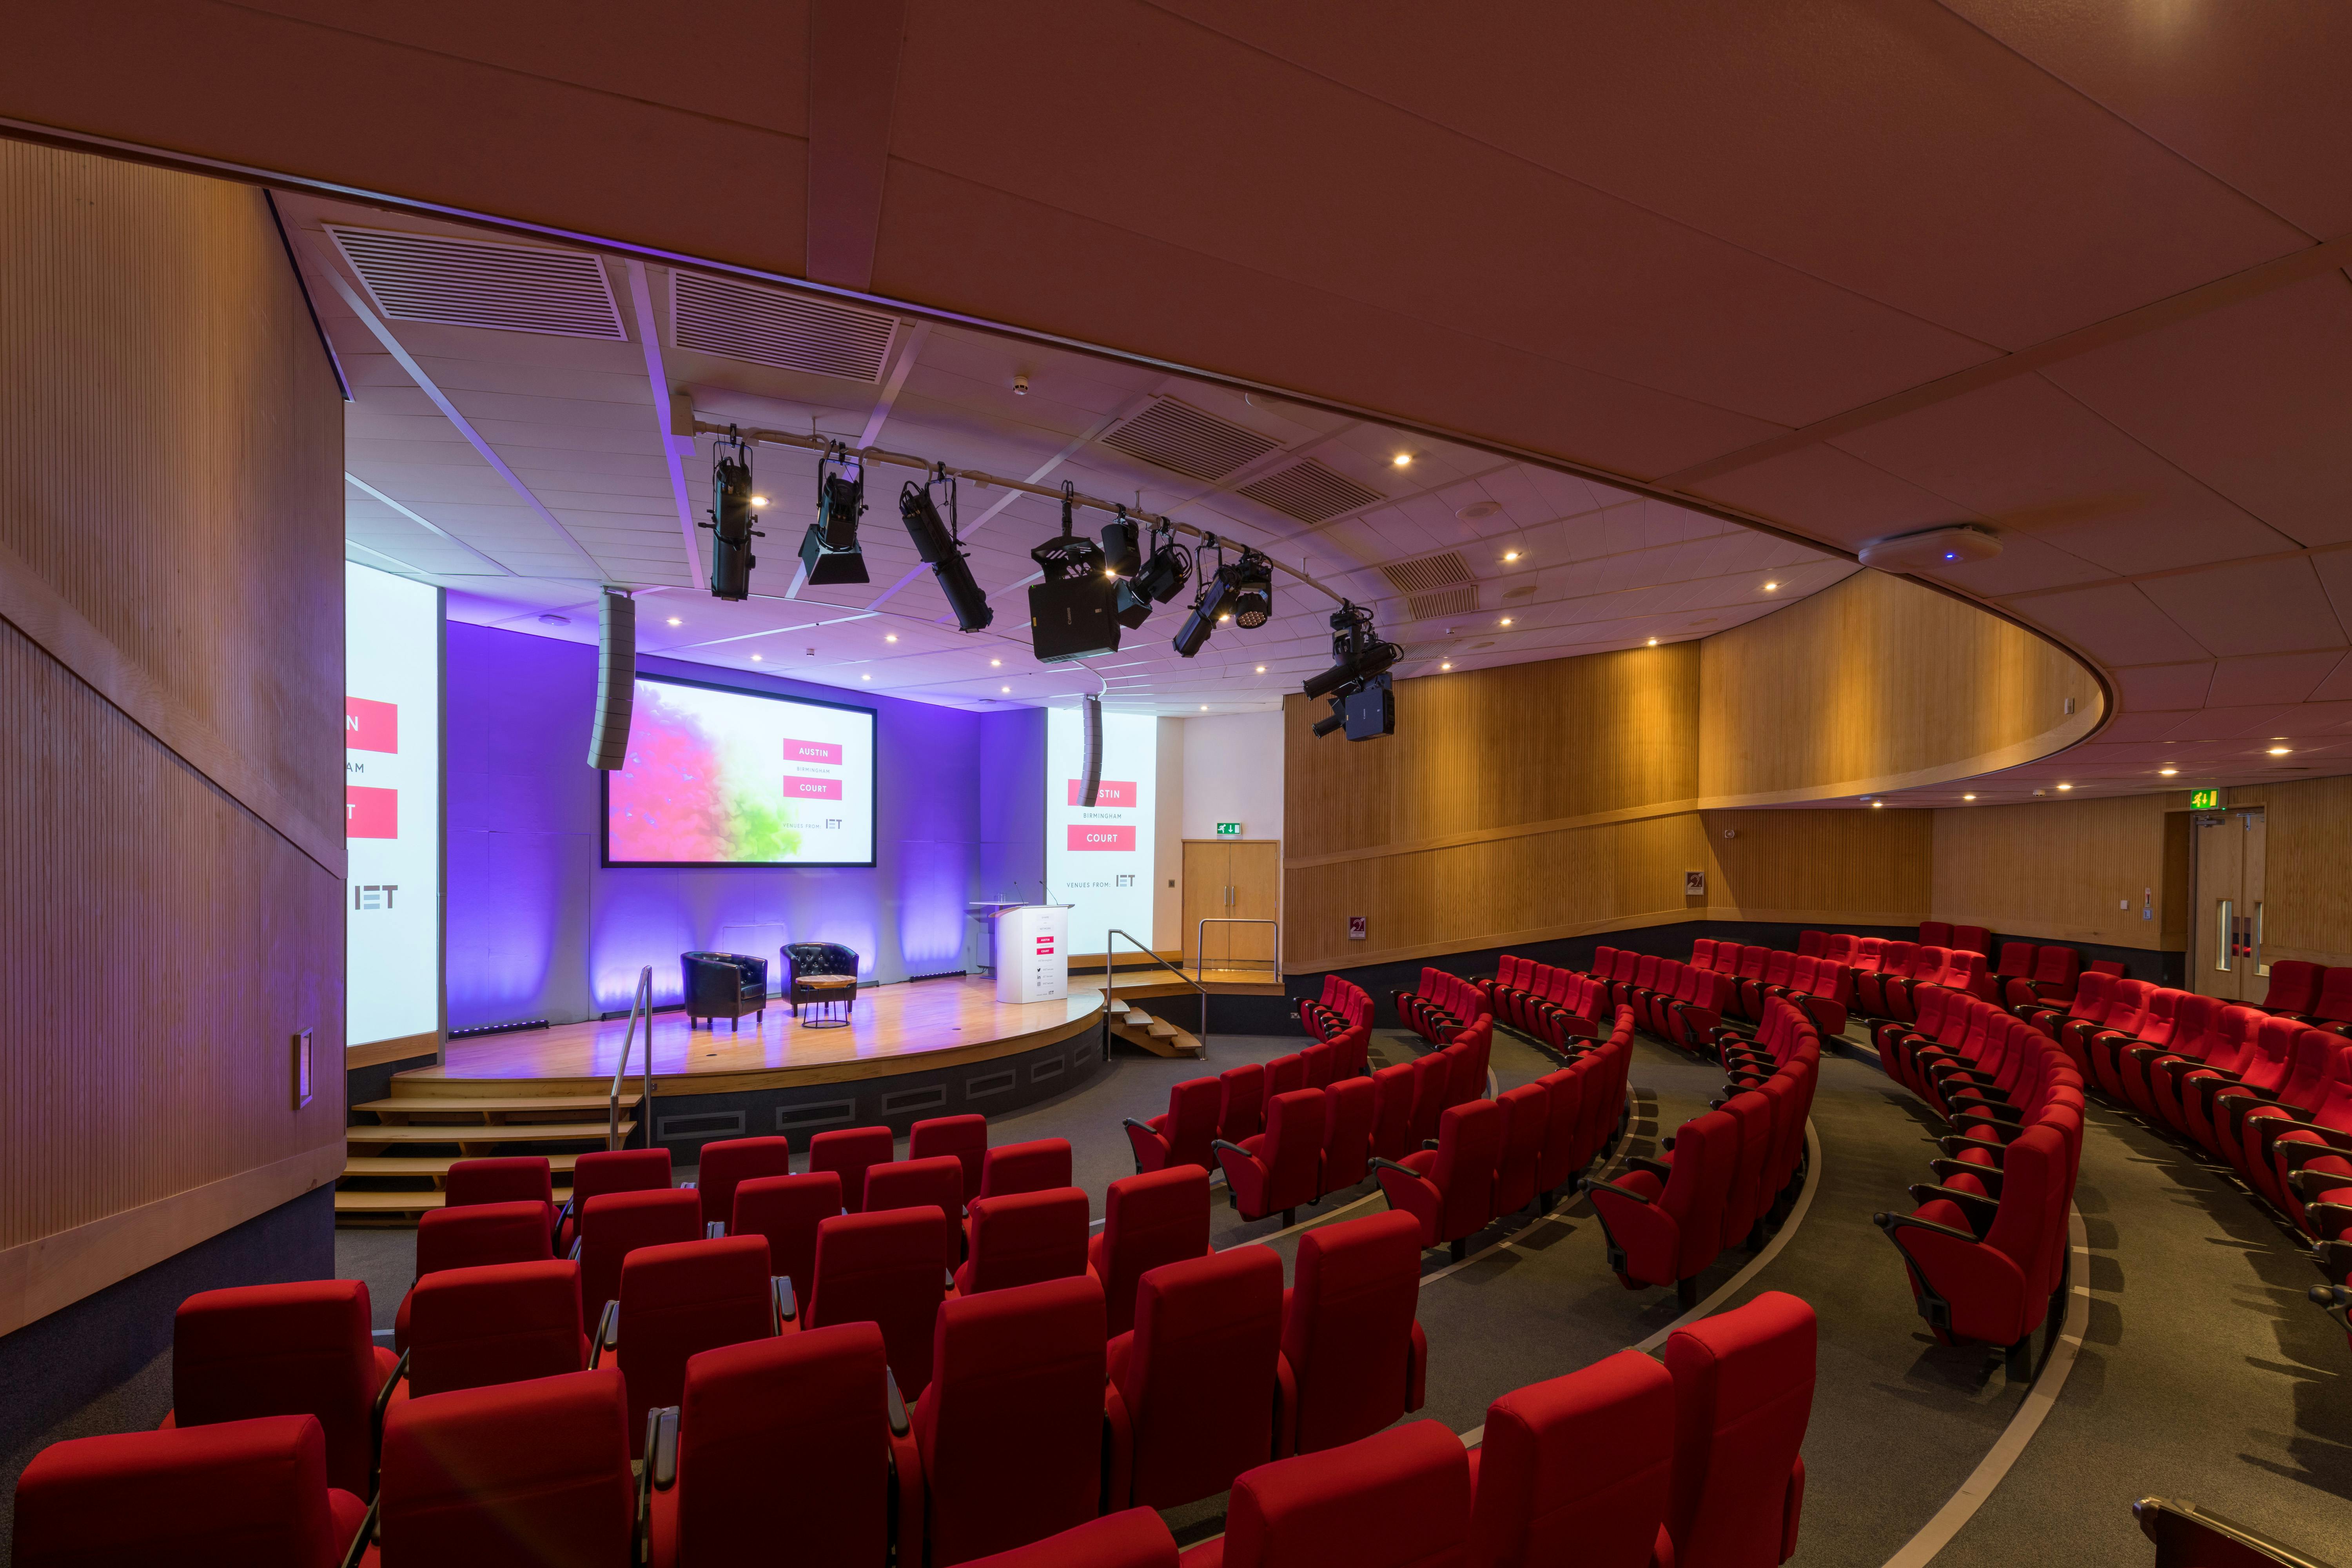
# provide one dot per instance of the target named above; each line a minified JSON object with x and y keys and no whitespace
{"x":2307,"y":867}
{"x":2055,"y":871}
{"x":171,"y":446}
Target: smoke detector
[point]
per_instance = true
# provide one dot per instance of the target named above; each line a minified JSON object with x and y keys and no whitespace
{"x":1932,"y":549}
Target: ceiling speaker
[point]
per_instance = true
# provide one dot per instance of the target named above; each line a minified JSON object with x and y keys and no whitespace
{"x":616,"y":680}
{"x":1932,"y":549}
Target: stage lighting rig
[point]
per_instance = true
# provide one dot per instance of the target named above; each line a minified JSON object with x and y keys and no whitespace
{"x":1121,"y":557}
{"x":936,"y":541}
{"x":1072,"y":612}
{"x":1362,"y":696}
{"x":829,"y":550}
{"x":732,"y":506}
{"x":1160,"y":578}
{"x":1209,"y":606}
{"x":1253,"y":596}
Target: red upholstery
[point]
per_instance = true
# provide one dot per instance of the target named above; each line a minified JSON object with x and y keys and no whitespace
{"x":1354,"y":1357}
{"x":1665,"y":1230}
{"x":1392,"y":1091}
{"x":1021,"y":1238}
{"x":1241,"y":1108}
{"x":1994,"y":1290}
{"x":680,"y":1299}
{"x":1579,"y":1468}
{"x":1036,"y":1166}
{"x":1743,"y":1394}
{"x":935,"y":1183}
{"x":501,"y":1323}
{"x":1429,"y":1076}
{"x":1196,"y":1378}
{"x":1809,"y":943}
{"x":965,"y":1137}
{"x":238,"y":1494}
{"x":1935,"y":933}
{"x":1971,"y":939}
{"x":1564,"y":1090}
{"x":777,"y":1443}
{"x":1450,"y":1190}
{"x":1286,"y":1074}
{"x":1320,"y":1062}
{"x":1180,"y":1134}
{"x":787,"y":1210}
{"x":302,"y":1349}
{"x":1280,"y":1169}
{"x":852,"y":1151}
{"x":731,"y":1161}
{"x":1159,"y":1217}
{"x":1132,"y":1538}
{"x":606,"y":1170}
{"x":1527,"y":1117}
{"x":882,"y":1268}
{"x":473,"y":1237}
{"x":1012,"y":1429}
{"x":523,"y":1178}
{"x":2334,"y":1004}
{"x":1348,"y":1108}
{"x":2294,"y":986}
{"x":1400,"y":1500}
{"x":614,"y":1224}
{"x":524,"y":1475}
{"x":1349,"y":1047}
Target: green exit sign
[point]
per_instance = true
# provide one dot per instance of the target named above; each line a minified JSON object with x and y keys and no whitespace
{"x":2199,"y":800}
{"x":1229,"y":830}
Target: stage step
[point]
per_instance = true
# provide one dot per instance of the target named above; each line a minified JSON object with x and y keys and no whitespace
{"x":436,"y":1166}
{"x":1138,"y":1027}
{"x":578,"y":1108}
{"x":387,"y":1205}
{"x":503,"y":1133}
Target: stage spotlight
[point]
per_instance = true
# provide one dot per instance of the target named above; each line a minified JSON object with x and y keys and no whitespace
{"x":1357,"y":655}
{"x":1193,"y":635}
{"x":730,"y":521}
{"x":1253,"y":590}
{"x":936,"y":542}
{"x":1121,"y":557}
{"x":1072,"y":612}
{"x":1158,"y":580}
{"x":829,"y":552}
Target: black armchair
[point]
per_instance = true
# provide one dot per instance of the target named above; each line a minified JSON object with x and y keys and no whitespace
{"x":822,"y":973}
{"x":724,"y":986}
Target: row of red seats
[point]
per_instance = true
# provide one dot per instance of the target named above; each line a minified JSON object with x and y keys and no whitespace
{"x":1967,"y":939}
{"x":1491,"y":1158}
{"x":1683,"y":1004}
{"x":1987,"y":1249}
{"x":1234,"y":1105}
{"x":1727,"y":1175}
{"x":1441,"y":1006}
{"x":1343,"y":1006}
{"x":2023,"y":974}
{"x":1555,"y":1005}
{"x":1623,"y":1464}
{"x":1822,"y":988}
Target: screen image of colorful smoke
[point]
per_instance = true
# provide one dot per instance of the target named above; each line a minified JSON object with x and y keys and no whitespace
{"x":720,"y":777}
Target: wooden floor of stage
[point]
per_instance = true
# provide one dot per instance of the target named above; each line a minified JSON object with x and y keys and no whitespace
{"x":957,"y":1018}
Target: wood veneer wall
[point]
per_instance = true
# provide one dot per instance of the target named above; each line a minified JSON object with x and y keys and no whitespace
{"x":171,"y":665}
{"x":2057,"y":870}
{"x":2306,"y":868}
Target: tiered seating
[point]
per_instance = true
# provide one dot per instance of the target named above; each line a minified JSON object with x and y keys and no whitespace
{"x":1729,"y":1174}
{"x":1343,"y":1006}
{"x":1818,"y":984}
{"x":1555,"y":1005}
{"x":1443,"y":1007}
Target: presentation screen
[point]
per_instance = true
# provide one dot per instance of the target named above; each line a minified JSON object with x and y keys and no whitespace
{"x":392,"y":805}
{"x":1098,"y":857}
{"x":717,"y":776}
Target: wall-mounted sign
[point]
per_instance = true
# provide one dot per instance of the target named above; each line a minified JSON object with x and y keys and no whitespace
{"x":1356,"y":927}
{"x":1694,"y":884}
{"x":2204,"y":799}
{"x":1229,"y":830}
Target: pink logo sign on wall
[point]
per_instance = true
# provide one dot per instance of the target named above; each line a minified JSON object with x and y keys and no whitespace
{"x":371,"y":813}
{"x":1097,"y":836}
{"x":371,"y":726}
{"x":797,"y":788}
{"x":813,"y":751}
{"x":1109,"y":792}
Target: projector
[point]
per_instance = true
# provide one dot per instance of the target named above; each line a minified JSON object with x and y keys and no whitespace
{"x":1932,"y":549}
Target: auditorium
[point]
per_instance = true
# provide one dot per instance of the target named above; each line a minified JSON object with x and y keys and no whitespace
{"x":1614,"y":679}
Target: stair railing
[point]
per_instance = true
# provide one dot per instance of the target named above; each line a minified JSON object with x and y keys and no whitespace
{"x":1110,"y":986}
{"x":640,"y":1000}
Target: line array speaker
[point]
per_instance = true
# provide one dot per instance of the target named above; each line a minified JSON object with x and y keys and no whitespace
{"x":616,"y":680}
{"x":1090,"y":784}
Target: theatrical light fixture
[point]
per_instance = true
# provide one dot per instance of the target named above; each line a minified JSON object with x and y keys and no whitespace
{"x":1363,"y":700}
{"x":938,"y":547}
{"x":758,"y":501}
{"x":1159,"y":579}
{"x":829,"y":552}
{"x":1253,"y":603}
{"x":730,"y":518}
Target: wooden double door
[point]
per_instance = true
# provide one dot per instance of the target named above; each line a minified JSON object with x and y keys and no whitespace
{"x":2226,"y":957}
{"x":1232,"y":879}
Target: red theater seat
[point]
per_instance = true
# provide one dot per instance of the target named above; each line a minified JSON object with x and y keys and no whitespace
{"x":1400,"y":1500}
{"x":1392,"y":1090}
{"x":1195,"y":1380}
{"x":936,"y":1182}
{"x":965,"y":1137}
{"x":2293,"y":988}
{"x":1354,"y":1358}
{"x":850,"y":1152}
{"x":610,"y":1171}
{"x":1983,"y":1268}
{"x":1527,"y":1119}
{"x":473,"y":1237}
{"x":684,"y":1299}
{"x":1181,"y":1134}
{"x":239,"y":1494}
{"x":302,"y":1349}
{"x":1431,"y":1074}
{"x":518,"y":1179}
{"x":1284,"y":1075}
{"x":613,"y":1225}
{"x":1159,"y":1217}
{"x":787,"y":1210}
{"x":1450,"y":1190}
{"x":1036,"y":1166}
{"x":1935,"y":933}
{"x":882,"y":1268}
{"x":1280,"y":1169}
{"x":1133,"y":1538}
{"x":1971,"y":939}
{"x":1743,"y":1394}
{"x":1021,"y":1238}
{"x":1664,"y":1223}
{"x":773,"y":1451}
{"x":1012,"y":1429}
{"x":1349,"y":1109}
{"x":502,"y":1323}
{"x":1559,"y":1164}
{"x":1577,"y":1470}
{"x":524,"y":1475}
{"x":1241,"y":1107}
{"x":731,"y":1162}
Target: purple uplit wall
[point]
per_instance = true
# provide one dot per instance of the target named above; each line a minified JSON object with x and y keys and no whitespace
{"x":538,"y":929}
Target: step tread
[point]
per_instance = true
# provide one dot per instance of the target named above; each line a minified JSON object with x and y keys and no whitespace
{"x":456,"y":1104}
{"x":559,"y":1164}
{"x":506,"y":1132}
{"x":387,"y":1202}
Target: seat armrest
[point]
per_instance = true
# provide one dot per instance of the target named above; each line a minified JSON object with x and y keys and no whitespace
{"x":1140,"y":1126}
{"x":661,"y":1445}
{"x":2331,"y":1141}
{"x":375,"y":1411}
{"x":1957,"y":1146}
{"x":1989,"y":1175}
{"x":780,"y":1297}
{"x":1220,"y":1145}
{"x":575,"y":1254}
{"x":1383,"y":1163}
{"x":1891,"y":1223}
{"x":898,"y":1402}
{"x":356,"y":1553}
{"x":608,"y":1335}
{"x":1595,"y":1184}
{"x":1979,"y":1208}
{"x":1655,"y":1167}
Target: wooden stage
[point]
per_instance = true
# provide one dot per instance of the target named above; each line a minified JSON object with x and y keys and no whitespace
{"x":944,"y":1023}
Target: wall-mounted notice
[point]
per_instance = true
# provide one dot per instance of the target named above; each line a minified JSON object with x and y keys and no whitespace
{"x":392,"y":805}
{"x":1098,"y":857}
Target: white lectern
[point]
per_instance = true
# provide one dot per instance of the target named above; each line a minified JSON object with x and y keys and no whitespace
{"x":1033,"y":953}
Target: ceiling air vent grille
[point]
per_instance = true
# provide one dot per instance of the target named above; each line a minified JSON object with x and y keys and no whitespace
{"x":478,"y":283}
{"x":1181,"y":438}
{"x":1310,"y":492}
{"x":788,"y":331}
{"x":1429,"y":572}
{"x":1444,"y":602}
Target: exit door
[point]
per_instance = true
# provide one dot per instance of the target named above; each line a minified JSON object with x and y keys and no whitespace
{"x":1228,"y":879}
{"x":2226,"y":956}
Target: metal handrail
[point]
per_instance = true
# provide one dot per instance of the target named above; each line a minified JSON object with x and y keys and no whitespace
{"x":1201,"y":939}
{"x":1110,"y":986}
{"x":641,"y":999}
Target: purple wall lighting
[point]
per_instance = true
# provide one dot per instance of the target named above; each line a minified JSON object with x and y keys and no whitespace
{"x":538,"y":929}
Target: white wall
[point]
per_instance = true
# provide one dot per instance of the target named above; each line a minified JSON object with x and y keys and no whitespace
{"x":1233,"y":772}
{"x":1167,"y":896}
